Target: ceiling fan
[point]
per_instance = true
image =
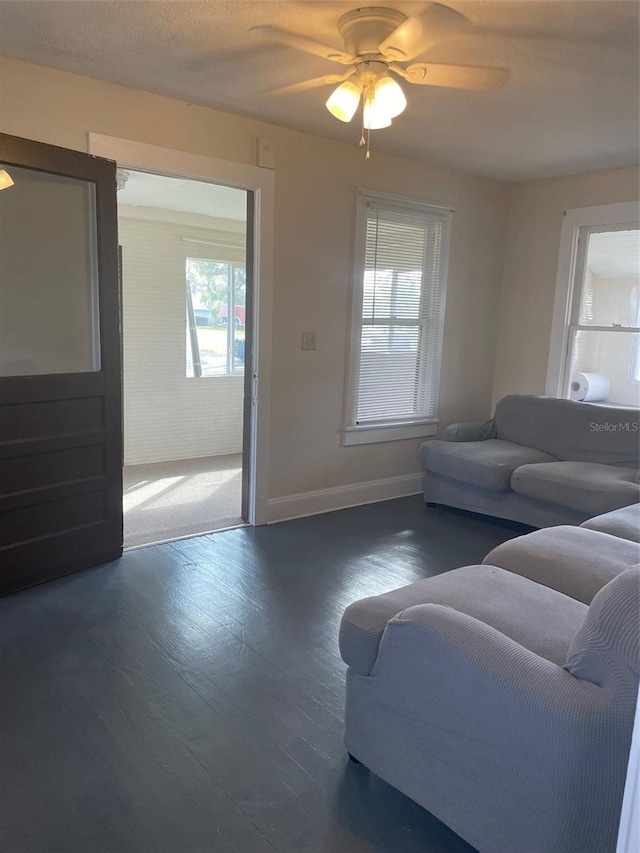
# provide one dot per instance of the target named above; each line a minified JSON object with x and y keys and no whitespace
{"x":378,"y":42}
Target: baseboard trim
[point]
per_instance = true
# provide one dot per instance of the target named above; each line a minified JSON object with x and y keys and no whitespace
{"x":342,"y":497}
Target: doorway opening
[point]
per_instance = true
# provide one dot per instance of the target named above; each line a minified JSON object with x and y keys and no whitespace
{"x":186,"y":289}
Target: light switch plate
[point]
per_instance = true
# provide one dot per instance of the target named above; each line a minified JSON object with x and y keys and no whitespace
{"x":308,"y":341}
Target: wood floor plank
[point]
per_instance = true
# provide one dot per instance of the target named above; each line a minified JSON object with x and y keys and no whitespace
{"x":118,"y":716}
{"x":189,"y":697}
{"x":51,"y":775}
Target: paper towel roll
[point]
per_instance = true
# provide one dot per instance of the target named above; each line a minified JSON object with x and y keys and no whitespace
{"x":589,"y":387}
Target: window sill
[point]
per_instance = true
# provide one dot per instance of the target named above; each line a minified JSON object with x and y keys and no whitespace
{"x":389,"y":432}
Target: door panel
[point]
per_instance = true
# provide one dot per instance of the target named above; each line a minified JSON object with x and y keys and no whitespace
{"x":49,"y":469}
{"x":60,"y":373}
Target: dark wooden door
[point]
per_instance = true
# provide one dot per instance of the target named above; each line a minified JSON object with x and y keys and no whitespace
{"x":60,"y":363}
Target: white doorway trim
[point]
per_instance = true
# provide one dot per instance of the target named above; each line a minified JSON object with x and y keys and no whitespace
{"x":167,"y":161}
{"x":573,"y":221}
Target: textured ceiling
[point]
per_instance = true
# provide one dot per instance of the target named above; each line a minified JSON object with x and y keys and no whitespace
{"x":144,"y":189}
{"x":571,"y":103}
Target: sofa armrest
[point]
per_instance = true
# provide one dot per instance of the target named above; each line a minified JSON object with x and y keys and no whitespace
{"x":364,"y":622}
{"x":455,"y":657}
{"x":469,"y":431}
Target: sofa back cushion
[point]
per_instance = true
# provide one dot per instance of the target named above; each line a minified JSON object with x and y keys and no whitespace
{"x":606,"y":649}
{"x":571,"y":431}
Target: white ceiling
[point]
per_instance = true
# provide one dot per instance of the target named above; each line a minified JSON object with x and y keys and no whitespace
{"x":571,"y":103}
{"x":143,"y":189}
{"x":614,"y":254}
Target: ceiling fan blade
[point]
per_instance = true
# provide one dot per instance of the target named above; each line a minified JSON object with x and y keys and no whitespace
{"x":301,"y":43}
{"x":454,"y":76}
{"x":419,"y":32}
{"x":306,"y":85}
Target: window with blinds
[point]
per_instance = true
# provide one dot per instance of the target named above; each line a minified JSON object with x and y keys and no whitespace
{"x":398,"y":316}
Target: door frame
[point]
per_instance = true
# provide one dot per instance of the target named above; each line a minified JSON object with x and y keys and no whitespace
{"x":261,"y":182}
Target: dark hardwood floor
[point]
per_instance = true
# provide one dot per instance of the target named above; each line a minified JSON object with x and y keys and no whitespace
{"x":188,"y":698}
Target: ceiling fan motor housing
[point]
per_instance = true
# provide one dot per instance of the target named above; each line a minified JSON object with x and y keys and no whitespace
{"x":370,"y":71}
{"x":364,"y":29}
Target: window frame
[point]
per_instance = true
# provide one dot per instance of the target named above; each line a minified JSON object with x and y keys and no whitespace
{"x":400,"y":428}
{"x":603,"y":217}
{"x":577,"y":293}
{"x":635,"y":361}
{"x":191,"y":325}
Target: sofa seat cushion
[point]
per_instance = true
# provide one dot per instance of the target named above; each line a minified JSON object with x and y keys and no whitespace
{"x":540,"y":619}
{"x":571,"y":560}
{"x":624,"y":523}
{"x":587,"y":487}
{"x":487,"y":464}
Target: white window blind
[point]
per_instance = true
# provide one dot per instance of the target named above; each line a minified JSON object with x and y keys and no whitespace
{"x":398,"y":313}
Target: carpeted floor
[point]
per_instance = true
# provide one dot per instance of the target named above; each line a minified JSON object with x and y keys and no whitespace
{"x":166,"y":500}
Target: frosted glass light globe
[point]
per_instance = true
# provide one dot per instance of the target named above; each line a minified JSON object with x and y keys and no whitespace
{"x":343,"y":101}
{"x":6,"y":180}
{"x":388,"y":97}
{"x":374,"y":118}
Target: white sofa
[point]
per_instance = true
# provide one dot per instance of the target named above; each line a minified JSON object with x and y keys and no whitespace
{"x":540,"y":460}
{"x":624,"y":523}
{"x":501,"y":697}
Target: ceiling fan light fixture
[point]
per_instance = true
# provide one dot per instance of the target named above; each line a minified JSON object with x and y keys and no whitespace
{"x":388,"y":97}
{"x":379,"y":42}
{"x":343,"y":101}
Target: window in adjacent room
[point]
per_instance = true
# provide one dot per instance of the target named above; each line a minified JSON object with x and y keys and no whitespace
{"x":397,"y":319}
{"x":216,"y":291}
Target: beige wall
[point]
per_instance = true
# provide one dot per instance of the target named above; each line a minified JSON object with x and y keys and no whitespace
{"x":316,"y":181}
{"x":168,"y":415}
{"x":530,"y":265}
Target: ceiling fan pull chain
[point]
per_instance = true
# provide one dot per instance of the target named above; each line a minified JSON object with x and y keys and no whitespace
{"x":367,"y":98}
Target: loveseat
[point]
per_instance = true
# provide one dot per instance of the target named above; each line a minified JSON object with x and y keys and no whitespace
{"x":539,"y":460}
{"x":501,"y":696}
